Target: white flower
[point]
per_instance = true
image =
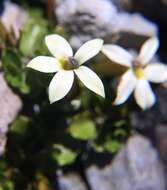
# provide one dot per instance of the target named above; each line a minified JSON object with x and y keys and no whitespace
{"x":66,"y":64}
{"x":139,"y":72}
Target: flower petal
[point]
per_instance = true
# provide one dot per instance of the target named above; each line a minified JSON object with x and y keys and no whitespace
{"x":118,"y":54}
{"x":125,"y":87}
{"x":148,"y":50}
{"x":156,"y":72}
{"x":58,"y":46}
{"x":44,"y":64}
{"x":90,"y":80}
{"x":88,"y":50}
{"x":144,"y":95}
{"x":60,"y":85}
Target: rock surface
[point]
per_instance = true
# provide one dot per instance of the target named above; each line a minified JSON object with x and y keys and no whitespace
{"x":161,"y":142}
{"x":71,"y":181}
{"x":156,"y":115}
{"x":10,"y":105}
{"x":135,"y":167}
{"x":165,"y":2}
{"x":83,"y":23}
{"x":105,"y":20}
{"x":161,"y":134}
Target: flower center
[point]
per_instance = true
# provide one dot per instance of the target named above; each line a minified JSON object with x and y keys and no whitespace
{"x":69,"y":63}
{"x":139,"y":73}
{"x":138,"y":69}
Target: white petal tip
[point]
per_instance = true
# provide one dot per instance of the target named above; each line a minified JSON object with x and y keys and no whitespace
{"x":102,"y":94}
{"x":115,"y":103}
{"x":48,"y":37}
{"x":148,"y":50}
{"x":88,"y":50}
{"x":60,"y":85}
{"x":100,"y":41}
{"x":30,"y":65}
{"x":119,"y":101}
{"x":99,"y":91}
{"x":52,"y":101}
{"x":144,"y":95}
{"x":117,"y":54}
{"x":58,"y":46}
{"x":155,"y":40}
{"x":149,"y":106}
{"x":44,"y":64}
{"x":90,"y":79}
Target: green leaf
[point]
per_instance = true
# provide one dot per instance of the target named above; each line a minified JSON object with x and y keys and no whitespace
{"x":83,"y":128}
{"x":120,"y":133}
{"x":3,"y":34}
{"x":98,"y":148}
{"x":32,"y":38}
{"x":119,"y":123}
{"x":63,"y":155}
{"x":6,"y":185}
{"x":20,"y":125}
{"x":112,"y":146}
{"x":14,"y":72}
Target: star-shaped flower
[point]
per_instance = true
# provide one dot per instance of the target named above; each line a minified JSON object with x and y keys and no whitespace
{"x":66,"y":64}
{"x":139,"y":72}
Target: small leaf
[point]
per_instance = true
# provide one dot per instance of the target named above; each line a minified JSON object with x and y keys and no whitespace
{"x":3,"y":33}
{"x":120,"y":133}
{"x":14,"y":72}
{"x":20,"y":125}
{"x":83,"y":128}
{"x":112,"y":146}
{"x":63,"y":155}
{"x":98,"y":148}
{"x":119,"y":123}
{"x":32,"y":37}
{"x":7,"y":185}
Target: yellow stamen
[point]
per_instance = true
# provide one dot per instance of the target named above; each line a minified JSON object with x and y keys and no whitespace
{"x":139,"y":73}
{"x":68,"y":63}
{"x":64,"y":63}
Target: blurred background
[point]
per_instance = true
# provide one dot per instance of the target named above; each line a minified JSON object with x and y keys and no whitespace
{"x":82,"y":142}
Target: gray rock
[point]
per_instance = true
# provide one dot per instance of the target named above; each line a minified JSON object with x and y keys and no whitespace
{"x":135,"y":167}
{"x":154,"y":116}
{"x":165,"y":2}
{"x":10,"y":105}
{"x":135,"y":23}
{"x":149,"y":7}
{"x":71,"y":181}
{"x":99,"y":18}
{"x":161,"y":142}
{"x":161,"y":134}
{"x":85,"y":20}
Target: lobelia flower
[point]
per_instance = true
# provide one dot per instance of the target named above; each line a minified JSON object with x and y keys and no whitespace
{"x":66,"y":64}
{"x":139,"y":72}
